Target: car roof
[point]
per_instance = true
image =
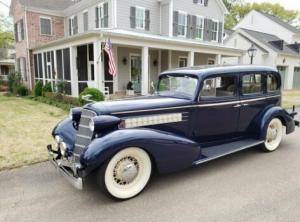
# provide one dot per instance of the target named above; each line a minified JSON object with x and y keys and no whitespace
{"x":204,"y":71}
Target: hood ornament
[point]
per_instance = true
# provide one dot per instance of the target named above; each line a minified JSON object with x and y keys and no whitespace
{"x":87,"y":98}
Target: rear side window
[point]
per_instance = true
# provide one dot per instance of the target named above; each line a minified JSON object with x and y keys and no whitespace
{"x":252,"y":84}
{"x":222,"y":86}
{"x":272,"y":83}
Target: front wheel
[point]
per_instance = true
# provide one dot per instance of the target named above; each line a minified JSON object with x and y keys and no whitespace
{"x":274,"y":135}
{"x":126,"y":174}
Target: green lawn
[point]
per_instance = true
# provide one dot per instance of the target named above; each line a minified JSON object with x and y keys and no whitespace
{"x":25,"y":130}
{"x":291,"y":98}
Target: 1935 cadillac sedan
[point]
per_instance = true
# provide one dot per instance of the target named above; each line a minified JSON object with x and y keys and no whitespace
{"x":197,"y":115}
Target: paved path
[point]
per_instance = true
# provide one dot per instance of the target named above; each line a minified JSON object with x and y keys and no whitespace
{"x":247,"y":186}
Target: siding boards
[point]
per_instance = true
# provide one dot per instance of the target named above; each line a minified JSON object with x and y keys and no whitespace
{"x":165,"y":19}
{"x":124,"y":15}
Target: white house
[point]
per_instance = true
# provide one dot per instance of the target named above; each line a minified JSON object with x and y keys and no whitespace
{"x":276,"y":43}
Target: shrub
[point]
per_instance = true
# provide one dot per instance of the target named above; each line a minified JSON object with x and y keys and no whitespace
{"x":95,"y":93}
{"x":14,"y":81}
{"x":38,"y":89}
{"x":21,"y":90}
{"x":46,"y":88}
{"x":61,"y":87}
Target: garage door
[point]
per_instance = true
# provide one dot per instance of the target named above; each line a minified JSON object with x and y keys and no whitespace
{"x":296,"y":82}
{"x":282,"y":71}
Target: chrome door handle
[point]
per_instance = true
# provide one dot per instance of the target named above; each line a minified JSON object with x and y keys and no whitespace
{"x":237,"y":106}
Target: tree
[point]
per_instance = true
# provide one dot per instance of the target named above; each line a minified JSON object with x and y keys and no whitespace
{"x":6,"y":33}
{"x":239,"y":9}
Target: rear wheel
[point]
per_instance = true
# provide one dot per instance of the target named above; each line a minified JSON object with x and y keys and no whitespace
{"x":126,"y":174}
{"x":274,"y":135}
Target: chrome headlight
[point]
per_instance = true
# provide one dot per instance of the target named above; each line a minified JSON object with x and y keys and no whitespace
{"x":92,"y":125}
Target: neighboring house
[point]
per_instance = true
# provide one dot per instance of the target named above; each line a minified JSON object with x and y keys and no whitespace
{"x":7,"y":62}
{"x":277,"y":44}
{"x":147,"y":37}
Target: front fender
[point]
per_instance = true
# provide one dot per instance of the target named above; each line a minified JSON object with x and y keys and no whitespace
{"x":275,"y":112}
{"x":169,"y":152}
{"x":67,"y":131}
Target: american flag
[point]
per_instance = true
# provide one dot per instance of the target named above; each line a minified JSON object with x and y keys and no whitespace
{"x":112,"y":68}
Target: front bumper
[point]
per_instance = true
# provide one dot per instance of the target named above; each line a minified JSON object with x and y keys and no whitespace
{"x":67,"y":169}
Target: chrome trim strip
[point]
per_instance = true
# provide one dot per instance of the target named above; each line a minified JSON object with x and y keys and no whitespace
{"x":203,"y":105}
{"x":81,"y":146}
{"x":83,"y":136}
{"x":83,"y":126}
{"x":227,"y":153}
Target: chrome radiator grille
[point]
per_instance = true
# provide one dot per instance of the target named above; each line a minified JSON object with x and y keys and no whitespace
{"x":84,"y":134}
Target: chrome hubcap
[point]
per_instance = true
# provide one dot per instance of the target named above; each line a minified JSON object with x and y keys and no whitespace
{"x":126,"y":170}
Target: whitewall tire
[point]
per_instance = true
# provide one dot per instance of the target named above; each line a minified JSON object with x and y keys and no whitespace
{"x":126,"y":174}
{"x":273,"y":136}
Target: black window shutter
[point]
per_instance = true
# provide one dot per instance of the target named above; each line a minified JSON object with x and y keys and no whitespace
{"x":194,"y":24}
{"x":75,"y":25}
{"x":205,"y":3}
{"x":189,"y":26}
{"x":132,"y":17}
{"x":105,"y":9}
{"x":70,"y":26}
{"x":22,"y":29}
{"x":206,"y":30}
{"x":16,"y":32}
{"x":97,"y":17}
{"x":147,"y":20}
{"x":175,"y":23}
{"x":220,"y":34}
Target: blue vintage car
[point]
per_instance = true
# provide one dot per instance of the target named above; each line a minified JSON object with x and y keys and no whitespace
{"x":197,"y":115}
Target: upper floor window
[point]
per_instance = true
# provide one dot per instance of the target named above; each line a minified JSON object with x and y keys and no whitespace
{"x":45,"y":26}
{"x":182,"y":24}
{"x":102,"y":15}
{"x":215,"y":30}
{"x":199,"y":27}
{"x":200,"y":2}
{"x":252,"y":83}
{"x":85,"y":17}
{"x":73,"y":25}
{"x":139,"y":18}
{"x":19,"y":31}
{"x":223,"y":86}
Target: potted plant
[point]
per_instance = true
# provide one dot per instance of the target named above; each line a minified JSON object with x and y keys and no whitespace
{"x":129,"y":89}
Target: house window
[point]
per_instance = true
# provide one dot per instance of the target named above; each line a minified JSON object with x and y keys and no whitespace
{"x":45,"y":26}
{"x":182,"y":62}
{"x":210,"y":62}
{"x":102,"y":15}
{"x":85,"y":21}
{"x":199,"y":2}
{"x":140,"y":18}
{"x":215,"y":29}
{"x":182,"y":24}
{"x":73,"y":25}
{"x":199,"y":27}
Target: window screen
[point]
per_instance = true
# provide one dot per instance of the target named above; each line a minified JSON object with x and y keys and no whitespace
{"x":252,"y":83}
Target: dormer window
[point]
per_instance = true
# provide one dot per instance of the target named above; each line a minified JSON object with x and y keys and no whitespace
{"x":199,"y":2}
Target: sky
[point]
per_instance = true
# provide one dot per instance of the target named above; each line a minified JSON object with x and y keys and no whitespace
{"x":289,"y":4}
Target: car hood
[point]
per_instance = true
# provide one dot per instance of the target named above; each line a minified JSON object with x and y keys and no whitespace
{"x":136,"y":104}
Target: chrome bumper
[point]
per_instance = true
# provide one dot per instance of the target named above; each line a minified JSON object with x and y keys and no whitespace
{"x":64,"y":168}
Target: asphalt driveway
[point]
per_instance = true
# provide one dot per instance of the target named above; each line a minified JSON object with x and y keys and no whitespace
{"x":247,"y":186}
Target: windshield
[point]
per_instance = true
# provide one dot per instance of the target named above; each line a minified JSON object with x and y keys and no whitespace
{"x":178,"y":86}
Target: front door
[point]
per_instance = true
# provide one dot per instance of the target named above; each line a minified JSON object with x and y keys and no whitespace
{"x":216,"y":117}
{"x":136,"y":72}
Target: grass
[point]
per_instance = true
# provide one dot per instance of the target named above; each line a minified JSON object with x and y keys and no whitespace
{"x":25,"y":130}
{"x":290,"y":98}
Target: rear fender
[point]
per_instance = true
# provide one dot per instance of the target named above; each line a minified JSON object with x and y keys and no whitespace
{"x":168,"y":151}
{"x":271,"y":113}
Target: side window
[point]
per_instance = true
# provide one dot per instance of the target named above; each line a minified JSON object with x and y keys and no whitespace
{"x":223,"y":86}
{"x":252,"y":84}
{"x":272,"y":83}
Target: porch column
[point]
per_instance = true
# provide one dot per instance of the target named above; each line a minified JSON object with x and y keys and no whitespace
{"x":191,"y":58}
{"x":145,"y":70}
{"x":218,"y":60}
{"x":159,"y":61}
{"x":74,"y":73}
{"x":240,"y":60}
{"x":98,"y":64}
{"x":170,"y":59}
{"x":289,"y":77}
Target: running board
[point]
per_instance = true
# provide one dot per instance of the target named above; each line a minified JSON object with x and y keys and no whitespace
{"x":215,"y":152}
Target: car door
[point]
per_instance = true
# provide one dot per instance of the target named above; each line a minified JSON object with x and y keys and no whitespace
{"x":253,"y":100}
{"x":217,"y":114}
